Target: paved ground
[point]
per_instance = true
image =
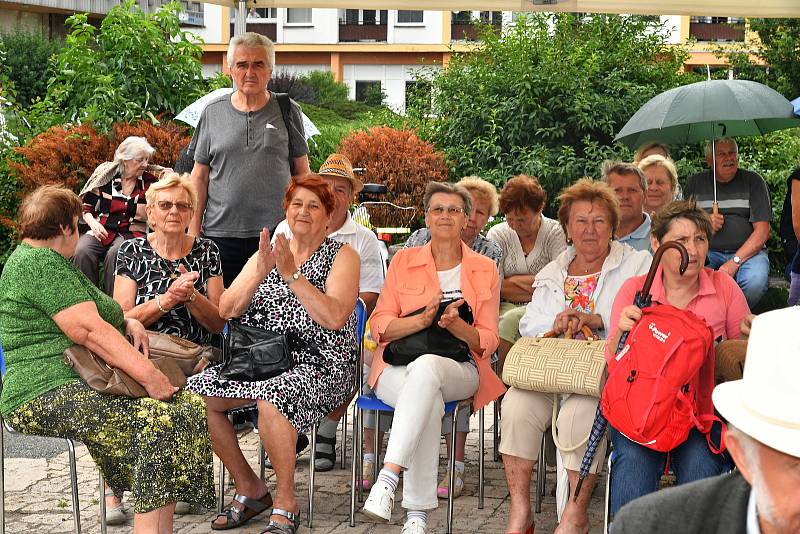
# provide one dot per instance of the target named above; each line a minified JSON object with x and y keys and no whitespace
{"x":37,"y":494}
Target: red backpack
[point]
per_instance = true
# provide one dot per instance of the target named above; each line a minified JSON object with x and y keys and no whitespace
{"x":659,"y":385}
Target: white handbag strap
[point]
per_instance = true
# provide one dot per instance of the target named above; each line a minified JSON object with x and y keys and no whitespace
{"x":559,"y":445}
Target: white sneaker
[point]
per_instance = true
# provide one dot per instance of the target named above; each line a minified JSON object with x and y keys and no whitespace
{"x":380,"y":502}
{"x":415,"y":526}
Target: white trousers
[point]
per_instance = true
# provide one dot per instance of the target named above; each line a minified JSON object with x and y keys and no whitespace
{"x":418,"y":392}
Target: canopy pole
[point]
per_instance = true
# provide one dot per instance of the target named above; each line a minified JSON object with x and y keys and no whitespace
{"x":714,"y":205}
{"x":240,"y":25}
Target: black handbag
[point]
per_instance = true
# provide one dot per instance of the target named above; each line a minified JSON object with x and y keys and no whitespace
{"x":431,"y":340}
{"x":252,"y":354}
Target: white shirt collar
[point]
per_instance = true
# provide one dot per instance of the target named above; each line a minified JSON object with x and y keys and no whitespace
{"x":752,"y":514}
{"x":348,"y":228}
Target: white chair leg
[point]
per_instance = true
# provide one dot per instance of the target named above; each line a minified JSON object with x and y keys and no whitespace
{"x":221,"y":488}
{"x":73,"y":475}
{"x":541,"y":476}
{"x":452,"y":469}
{"x":607,"y":514}
{"x":354,"y":465}
{"x":343,"y":445}
{"x":311,"y":473}
{"x":103,"y":527}
{"x":481,"y":452}
{"x":2,"y":479}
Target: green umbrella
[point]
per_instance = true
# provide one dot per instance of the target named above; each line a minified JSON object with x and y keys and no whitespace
{"x":707,"y":110}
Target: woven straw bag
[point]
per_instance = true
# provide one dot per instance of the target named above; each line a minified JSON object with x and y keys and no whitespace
{"x":551,"y":365}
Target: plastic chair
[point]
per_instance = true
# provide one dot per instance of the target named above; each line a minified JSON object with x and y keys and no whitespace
{"x":371,"y":402}
{"x":361,"y":321}
{"x":361,"y":326}
{"x":73,"y":474}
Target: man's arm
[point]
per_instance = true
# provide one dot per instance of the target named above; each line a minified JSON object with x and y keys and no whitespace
{"x":300,"y":165}
{"x":370,"y":299}
{"x":749,"y":248}
{"x":200,"y":182}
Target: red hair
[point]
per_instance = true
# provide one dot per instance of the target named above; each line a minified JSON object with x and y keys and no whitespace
{"x":314,"y":183}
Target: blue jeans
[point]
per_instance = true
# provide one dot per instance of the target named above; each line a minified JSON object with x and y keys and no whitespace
{"x":752,"y":276}
{"x":636,"y":469}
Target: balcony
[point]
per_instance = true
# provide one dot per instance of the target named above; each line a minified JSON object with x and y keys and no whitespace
{"x":717,"y":31}
{"x":468,"y":31}
{"x":355,"y":33}
{"x":264,"y":28}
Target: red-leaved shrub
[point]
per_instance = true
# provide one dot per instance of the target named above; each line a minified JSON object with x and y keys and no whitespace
{"x":398,"y":159}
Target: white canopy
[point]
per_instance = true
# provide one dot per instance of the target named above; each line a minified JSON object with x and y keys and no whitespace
{"x":717,"y":8}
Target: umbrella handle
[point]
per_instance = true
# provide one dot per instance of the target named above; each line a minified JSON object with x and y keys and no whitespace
{"x":715,"y":208}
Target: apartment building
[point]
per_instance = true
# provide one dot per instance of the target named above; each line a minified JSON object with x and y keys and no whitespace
{"x":49,"y":16}
{"x":394,"y":48}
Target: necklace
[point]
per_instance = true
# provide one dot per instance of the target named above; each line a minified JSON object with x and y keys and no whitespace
{"x":173,"y":271}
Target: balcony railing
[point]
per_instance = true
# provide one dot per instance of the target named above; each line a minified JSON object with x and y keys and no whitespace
{"x":353,"y":33}
{"x":467,"y":31}
{"x":705,"y":31}
{"x":264,"y":28}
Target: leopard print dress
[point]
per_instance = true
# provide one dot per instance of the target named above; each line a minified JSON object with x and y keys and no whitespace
{"x":322,"y":378}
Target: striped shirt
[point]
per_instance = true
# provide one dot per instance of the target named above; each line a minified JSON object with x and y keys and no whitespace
{"x":119,"y":213}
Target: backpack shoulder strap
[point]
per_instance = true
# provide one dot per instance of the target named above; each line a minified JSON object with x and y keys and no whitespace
{"x":285,"y":104}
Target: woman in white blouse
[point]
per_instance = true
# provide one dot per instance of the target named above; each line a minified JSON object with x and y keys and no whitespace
{"x":529,"y":241}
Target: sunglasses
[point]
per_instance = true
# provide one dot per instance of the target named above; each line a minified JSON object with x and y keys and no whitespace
{"x":166,"y":205}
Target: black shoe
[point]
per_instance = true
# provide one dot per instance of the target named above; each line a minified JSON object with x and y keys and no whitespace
{"x":300,"y":446}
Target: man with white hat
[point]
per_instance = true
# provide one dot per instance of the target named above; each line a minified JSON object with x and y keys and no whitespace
{"x":763,"y":411}
{"x":338,"y":171}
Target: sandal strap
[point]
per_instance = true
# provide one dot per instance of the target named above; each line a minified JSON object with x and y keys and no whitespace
{"x":253,"y":504}
{"x":291,"y":516}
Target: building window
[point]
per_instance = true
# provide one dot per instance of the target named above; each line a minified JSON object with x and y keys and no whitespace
{"x":462,"y":17}
{"x":368,"y":91}
{"x":298,"y":16}
{"x":491,"y":17}
{"x":263,"y":13}
{"x":362,"y":17}
{"x":406,"y":16}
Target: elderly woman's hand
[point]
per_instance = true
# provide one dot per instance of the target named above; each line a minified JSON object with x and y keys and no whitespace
{"x":746,"y":324}
{"x":450,"y":314}
{"x":98,"y":230}
{"x":429,"y":314}
{"x":266,"y":259}
{"x":182,"y":289}
{"x":158,"y":386}
{"x":137,"y":334}
{"x":628,"y":317}
{"x":574,"y":320}
{"x":284,"y":259}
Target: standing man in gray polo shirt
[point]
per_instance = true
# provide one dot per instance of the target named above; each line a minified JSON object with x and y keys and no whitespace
{"x":242,"y":156}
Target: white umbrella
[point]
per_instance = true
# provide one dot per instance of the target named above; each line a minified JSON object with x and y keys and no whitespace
{"x":191,"y":113}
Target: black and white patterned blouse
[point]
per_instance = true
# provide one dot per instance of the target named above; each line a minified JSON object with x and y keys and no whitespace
{"x":153,"y":275}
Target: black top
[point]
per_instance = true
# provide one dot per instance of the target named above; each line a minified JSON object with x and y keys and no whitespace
{"x":787,"y":230}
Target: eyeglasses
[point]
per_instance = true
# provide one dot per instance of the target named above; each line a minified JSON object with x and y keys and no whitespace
{"x":166,"y":205}
{"x":141,"y":159}
{"x":438,"y":211}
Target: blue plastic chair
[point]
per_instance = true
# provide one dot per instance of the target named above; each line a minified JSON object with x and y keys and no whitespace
{"x":371,"y":402}
{"x":361,"y":327}
{"x":73,"y":473}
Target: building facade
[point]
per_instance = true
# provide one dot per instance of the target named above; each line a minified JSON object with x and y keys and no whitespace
{"x":394,"y":49}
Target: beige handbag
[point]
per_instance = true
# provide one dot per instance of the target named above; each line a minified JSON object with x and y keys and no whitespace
{"x":553,"y":365}
{"x":176,"y":357}
{"x":190,"y":357}
{"x":101,"y":377}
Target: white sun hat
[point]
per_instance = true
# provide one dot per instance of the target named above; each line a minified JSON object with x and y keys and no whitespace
{"x":765,"y":403}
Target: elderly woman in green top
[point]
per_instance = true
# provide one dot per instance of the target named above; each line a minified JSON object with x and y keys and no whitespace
{"x":47,"y":305}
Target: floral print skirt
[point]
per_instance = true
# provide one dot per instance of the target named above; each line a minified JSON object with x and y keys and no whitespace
{"x":159,"y":451}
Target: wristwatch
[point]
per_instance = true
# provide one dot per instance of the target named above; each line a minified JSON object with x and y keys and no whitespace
{"x":737,"y":260}
{"x":295,"y":276}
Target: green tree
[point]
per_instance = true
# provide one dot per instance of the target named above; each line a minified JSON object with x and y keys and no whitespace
{"x":780,"y":49}
{"x":547,"y":96}
{"x":135,"y":66}
{"x":28,"y":59}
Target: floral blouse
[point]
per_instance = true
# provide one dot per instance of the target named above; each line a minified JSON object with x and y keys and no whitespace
{"x":579,"y":292}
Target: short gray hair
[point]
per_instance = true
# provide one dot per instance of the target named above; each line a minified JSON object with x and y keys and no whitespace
{"x":449,"y":189}
{"x":637,"y":157}
{"x":623,"y":169}
{"x":252,"y":40}
{"x":720,"y":140}
{"x":132,"y":147}
{"x":482,"y":190}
